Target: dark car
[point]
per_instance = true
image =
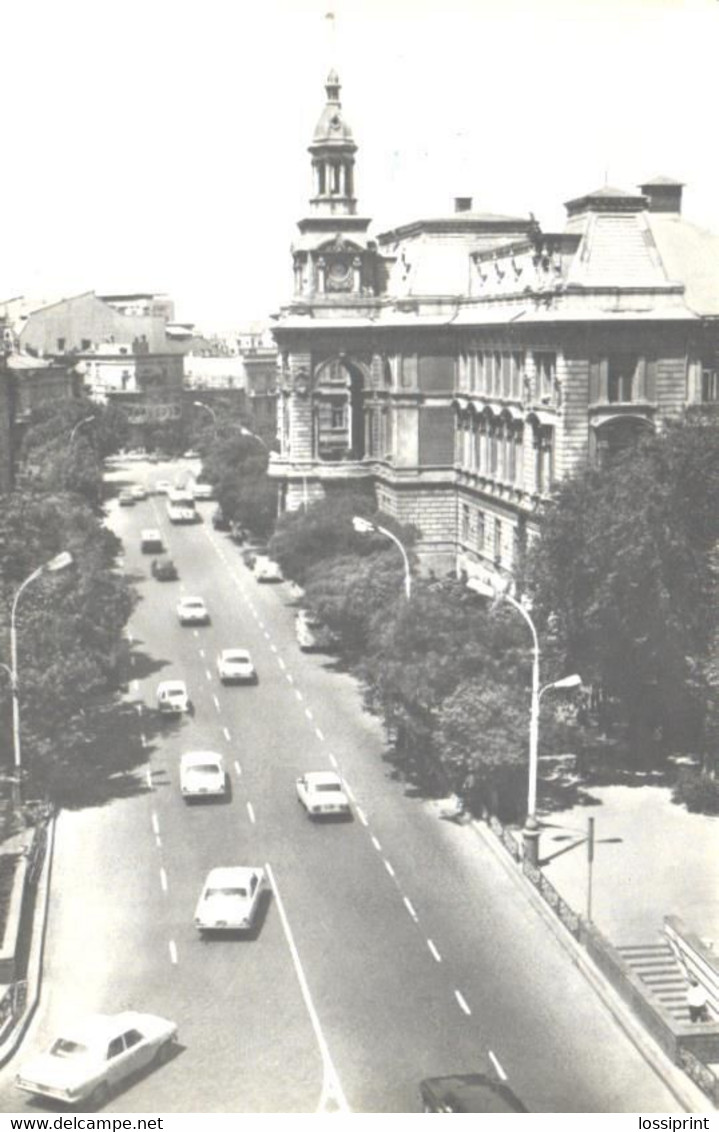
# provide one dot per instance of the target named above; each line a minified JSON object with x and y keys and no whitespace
{"x":219,"y":521}
{"x":164,"y":569}
{"x":468,"y":1092}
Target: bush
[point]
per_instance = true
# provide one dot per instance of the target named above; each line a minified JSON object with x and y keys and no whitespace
{"x":698,"y":792}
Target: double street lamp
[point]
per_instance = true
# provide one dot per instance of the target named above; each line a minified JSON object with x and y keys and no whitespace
{"x":59,"y":562}
{"x":365,"y":527}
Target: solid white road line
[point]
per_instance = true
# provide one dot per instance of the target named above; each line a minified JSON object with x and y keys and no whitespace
{"x":434,"y":951}
{"x":226,"y":733}
{"x":388,"y":867}
{"x":348,"y":792}
{"x":331,"y":1087}
{"x":251,"y":812}
{"x":216,"y":702}
{"x":360,"y":815}
{"x":376,"y":844}
{"x":410,"y":909}
{"x":462,"y":1003}
{"x":173,"y":951}
{"x":155,"y":824}
{"x":319,"y":734}
{"x":495,"y":1062}
{"x":163,"y":880}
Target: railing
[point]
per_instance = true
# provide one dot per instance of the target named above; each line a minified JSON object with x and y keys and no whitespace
{"x":557,"y":903}
{"x":12,"y":1005}
{"x":700,"y":1074}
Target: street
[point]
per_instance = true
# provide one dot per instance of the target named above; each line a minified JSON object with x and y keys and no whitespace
{"x":389,"y":948}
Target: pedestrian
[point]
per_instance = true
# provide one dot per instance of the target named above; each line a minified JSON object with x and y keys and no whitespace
{"x":696,"y":1001}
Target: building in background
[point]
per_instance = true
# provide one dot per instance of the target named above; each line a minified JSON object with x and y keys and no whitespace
{"x":462,"y":365}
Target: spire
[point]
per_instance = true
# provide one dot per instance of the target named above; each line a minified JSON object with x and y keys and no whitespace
{"x":333,"y":149}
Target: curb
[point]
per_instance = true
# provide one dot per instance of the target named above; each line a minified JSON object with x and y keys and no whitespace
{"x":688,"y":1095}
{"x":37,"y":950}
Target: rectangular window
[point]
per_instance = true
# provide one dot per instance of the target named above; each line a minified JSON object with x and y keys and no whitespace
{"x":436,"y":373}
{"x":710,"y":385}
{"x":465,"y":523}
{"x":622,"y":377}
{"x":480,"y":530}
{"x":516,"y":364}
{"x":86,"y":344}
{"x":546,"y":371}
{"x":498,"y":541}
{"x":60,"y":345}
{"x":436,"y":435}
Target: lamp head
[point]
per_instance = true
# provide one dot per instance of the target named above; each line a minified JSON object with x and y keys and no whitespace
{"x":362,"y":526}
{"x":59,"y":562}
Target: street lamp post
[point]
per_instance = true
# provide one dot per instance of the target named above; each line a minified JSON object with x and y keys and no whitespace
{"x":364,"y":527}
{"x":530,"y":832}
{"x":213,"y":414}
{"x":84,"y":421}
{"x":59,"y":562}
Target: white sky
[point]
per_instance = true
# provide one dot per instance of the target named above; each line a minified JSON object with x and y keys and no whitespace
{"x":162,"y":145}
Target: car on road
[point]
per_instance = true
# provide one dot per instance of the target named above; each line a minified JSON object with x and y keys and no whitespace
{"x":139,"y":492}
{"x":192,"y":611}
{"x":172,"y":697}
{"x":234,"y":666}
{"x":203,"y":491}
{"x":164,"y":570}
{"x":267,"y":570}
{"x":468,"y":1092}
{"x":163,"y":487}
{"x":252,"y":550}
{"x":230,"y":899}
{"x":311,"y":633}
{"x":151,"y":541}
{"x":219,"y":520}
{"x":93,"y":1056}
{"x":126,"y":498}
{"x":322,"y":793}
{"x":202,"y":775}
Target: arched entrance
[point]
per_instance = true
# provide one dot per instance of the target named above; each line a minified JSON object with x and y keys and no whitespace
{"x":338,"y":411}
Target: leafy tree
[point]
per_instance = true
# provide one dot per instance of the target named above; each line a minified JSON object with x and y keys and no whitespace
{"x":324,"y":530}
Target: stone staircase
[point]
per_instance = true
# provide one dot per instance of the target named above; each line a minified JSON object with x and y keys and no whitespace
{"x":662,"y":973}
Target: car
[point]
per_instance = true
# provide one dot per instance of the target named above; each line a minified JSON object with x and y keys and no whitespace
{"x":164,"y":570}
{"x":311,"y":634}
{"x":192,"y":611}
{"x":172,"y":697}
{"x":139,"y":491}
{"x":468,"y":1092}
{"x":191,"y":454}
{"x":267,"y":570}
{"x":230,"y":899}
{"x":252,"y":551}
{"x":234,"y":666}
{"x":322,"y":793}
{"x":151,"y":541}
{"x":93,"y":1056}
{"x":202,"y":775}
{"x":163,"y":487}
{"x":126,"y":498}
{"x":219,"y":521}
{"x":203,"y":491}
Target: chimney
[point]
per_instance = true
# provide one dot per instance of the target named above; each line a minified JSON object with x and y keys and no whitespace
{"x":462,"y":204}
{"x":663,"y":194}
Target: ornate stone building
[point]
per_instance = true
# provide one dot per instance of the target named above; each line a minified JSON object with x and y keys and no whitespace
{"x":460,"y":366}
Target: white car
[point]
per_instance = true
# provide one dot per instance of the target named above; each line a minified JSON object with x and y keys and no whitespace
{"x":93,"y":1056}
{"x":202,"y":490}
{"x":322,"y":793}
{"x":163,"y":487}
{"x":234,"y":666}
{"x":202,"y":775}
{"x":266,"y":570}
{"x":230,"y":899}
{"x":311,"y":633}
{"x":172,"y":697}
{"x":192,"y":611}
{"x":138,"y":491}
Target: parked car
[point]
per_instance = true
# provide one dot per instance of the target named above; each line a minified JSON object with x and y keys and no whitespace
{"x":219,"y":521}
{"x":234,"y":666}
{"x":163,"y":487}
{"x":322,"y":793}
{"x":267,"y":570}
{"x":151,"y":541}
{"x":230,"y":899}
{"x":311,"y":633}
{"x":139,"y":492}
{"x":126,"y":498}
{"x":203,"y":491}
{"x":172,"y":697}
{"x":202,"y":775}
{"x":468,"y":1092}
{"x":192,"y":611}
{"x":238,"y":533}
{"x":163,"y":569}
{"x":93,"y":1056}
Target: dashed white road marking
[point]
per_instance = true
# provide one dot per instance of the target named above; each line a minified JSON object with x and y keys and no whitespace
{"x":274,"y":648}
{"x":267,"y":635}
{"x":495,"y":1062}
{"x":410,"y":909}
{"x":195,"y":632}
{"x":202,"y":653}
{"x":289,"y":677}
{"x":226,"y":733}
{"x":148,"y":776}
{"x":281,"y":663}
{"x":251,"y":812}
{"x":163,"y":879}
{"x":138,"y":708}
{"x":388,"y":867}
{"x":238,"y":768}
{"x":260,"y":623}
{"x":434,"y":951}
{"x":308,"y":713}
{"x":462,"y":1002}
{"x":158,"y":841}
{"x":143,"y":739}
{"x":333,"y":760}
{"x":319,"y":735}
{"x":298,"y":693}
{"x":208,"y":674}
{"x":216,"y":702}
{"x":173,"y":951}
{"x":376,"y":844}
{"x":155,"y":824}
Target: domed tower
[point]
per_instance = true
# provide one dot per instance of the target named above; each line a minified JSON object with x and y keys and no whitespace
{"x":333,"y":151}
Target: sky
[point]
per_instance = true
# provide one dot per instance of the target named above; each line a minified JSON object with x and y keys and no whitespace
{"x":157,"y":145}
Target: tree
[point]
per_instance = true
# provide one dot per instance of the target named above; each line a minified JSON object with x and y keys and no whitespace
{"x":323,"y":531}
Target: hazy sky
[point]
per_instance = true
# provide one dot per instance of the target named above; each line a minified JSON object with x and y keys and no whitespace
{"x":157,"y":145}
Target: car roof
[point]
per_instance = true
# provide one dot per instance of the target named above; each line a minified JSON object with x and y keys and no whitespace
{"x":232,"y":874}
{"x":172,"y":686}
{"x":317,"y":777}
{"x":102,"y":1026}
{"x":150,"y":532}
{"x":192,"y":601}
{"x":235,"y":654}
{"x":200,"y":758}
{"x":473,"y":1092}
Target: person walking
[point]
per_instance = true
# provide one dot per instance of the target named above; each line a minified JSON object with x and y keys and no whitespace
{"x":696,"y":1001}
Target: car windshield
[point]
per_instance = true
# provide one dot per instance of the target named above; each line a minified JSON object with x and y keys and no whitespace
{"x":205,"y":768}
{"x":196,"y":604}
{"x":325,"y":786}
{"x":64,"y":1048}
{"x":225,"y":892}
{"x":236,"y":658}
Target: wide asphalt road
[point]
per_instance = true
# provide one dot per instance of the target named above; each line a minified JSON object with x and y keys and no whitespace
{"x":390,"y":948}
